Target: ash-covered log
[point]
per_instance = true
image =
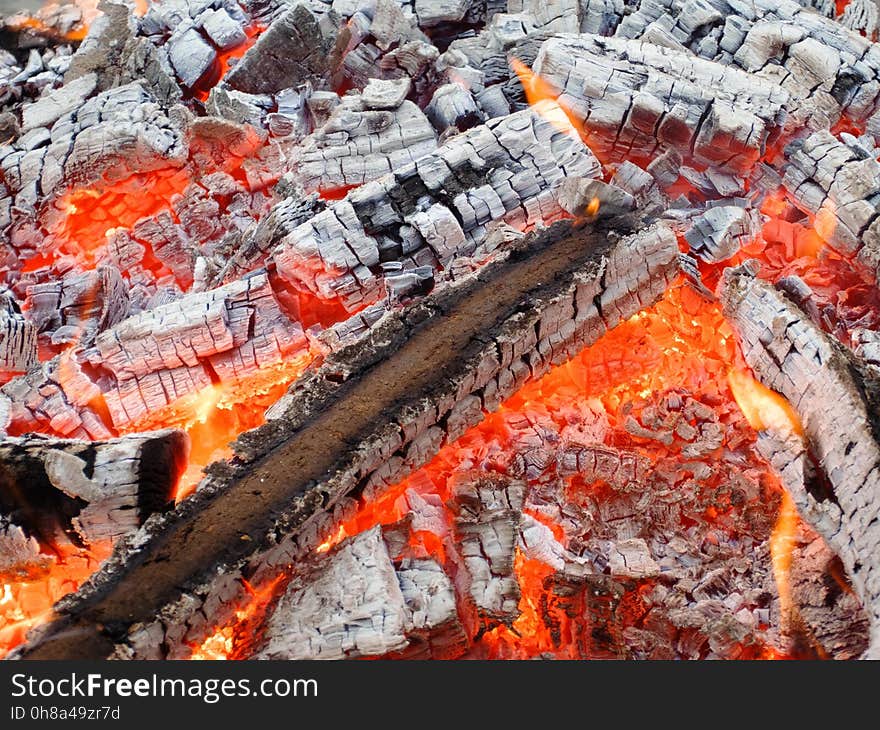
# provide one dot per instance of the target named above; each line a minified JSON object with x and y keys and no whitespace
{"x":636,"y":98}
{"x":96,"y":490}
{"x":833,"y":469}
{"x":435,"y":209}
{"x":365,"y":417}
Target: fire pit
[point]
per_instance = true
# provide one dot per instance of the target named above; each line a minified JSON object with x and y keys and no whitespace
{"x":434,"y":329}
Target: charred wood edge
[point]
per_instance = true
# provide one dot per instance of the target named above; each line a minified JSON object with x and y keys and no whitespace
{"x":833,"y":471}
{"x":90,"y":490}
{"x":347,"y":411}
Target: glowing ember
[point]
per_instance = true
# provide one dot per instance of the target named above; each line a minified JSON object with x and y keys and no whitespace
{"x":26,"y":601}
{"x":220,"y":645}
{"x":215,"y":417}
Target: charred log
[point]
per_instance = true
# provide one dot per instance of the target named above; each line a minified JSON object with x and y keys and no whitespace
{"x":832,"y":470}
{"x":484,"y":346}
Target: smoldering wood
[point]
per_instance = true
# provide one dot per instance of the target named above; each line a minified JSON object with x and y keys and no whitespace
{"x":722,"y":230}
{"x":488,"y":513}
{"x":836,"y":180}
{"x":100,"y":489}
{"x":836,"y":489}
{"x":638,"y":98}
{"x":434,"y":210}
{"x":829,"y":74}
{"x":600,"y":279}
{"x":73,"y":310}
{"x":100,"y":142}
{"x":358,"y":144}
{"x":150,"y":360}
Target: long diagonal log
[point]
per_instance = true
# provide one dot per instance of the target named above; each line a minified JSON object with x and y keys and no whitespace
{"x":833,"y":472}
{"x":371,"y":413}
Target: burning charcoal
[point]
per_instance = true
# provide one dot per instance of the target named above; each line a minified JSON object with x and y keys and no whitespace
{"x":827,"y":72}
{"x":114,"y":52}
{"x":639,"y":183}
{"x":839,"y":184}
{"x":58,"y":102}
{"x":832,"y":396}
{"x":105,"y":489}
{"x":355,"y":603}
{"x":581,"y":305}
{"x":866,"y":345}
{"x":632,"y":559}
{"x":406,"y":283}
{"x":19,"y":553}
{"x":284,"y":217}
{"x":387,"y":44}
{"x":486,"y":528}
{"x":321,"y":105}
{"x":237,"y":106}
{"x":581,"y":197}
{"x":100,"y":142}
{"x":18,"y":338}
{"x":717,"y":115}
{"x":722,"y":230}
{"x":297,"y":46}
{"x":75,"y":309}
{"x":167,"y":352}
{"x":453,"y":107}
{"x":600,"y":17}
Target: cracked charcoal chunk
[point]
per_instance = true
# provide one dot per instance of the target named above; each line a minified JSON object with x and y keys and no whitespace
{"x":486,"y":529}
{"x":190,"y":55}
{"x":359,"y":144}
{"x":355,"y":602}
{"x":18,"y":339}
{"x":834,"y":179}
{"x":155,"y":357}
{"x":299,"y":45}
{"x":98,"y":143}
{"x":720,"y":232}
{"x":828,"y":73}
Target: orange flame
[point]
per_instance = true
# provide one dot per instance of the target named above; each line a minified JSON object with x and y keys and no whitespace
{"x":221,"y":644}
{"x":782,"y":541}
{"x":544,"y":98}
{"x":216,"y":415}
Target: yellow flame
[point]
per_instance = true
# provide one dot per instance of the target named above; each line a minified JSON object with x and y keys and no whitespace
{"x":543,"y":97}
{"x":763,"y":408}
{"x":781,"y":549}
